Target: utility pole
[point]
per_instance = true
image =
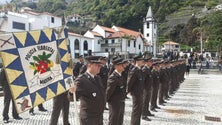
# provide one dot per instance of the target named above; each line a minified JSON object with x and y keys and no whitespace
{"x":201,"y":43}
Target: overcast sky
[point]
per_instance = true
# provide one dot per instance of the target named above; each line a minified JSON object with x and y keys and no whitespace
{"x":4,"y":1}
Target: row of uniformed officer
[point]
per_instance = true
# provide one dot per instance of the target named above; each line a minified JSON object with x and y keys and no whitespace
{"x":147,"y":83}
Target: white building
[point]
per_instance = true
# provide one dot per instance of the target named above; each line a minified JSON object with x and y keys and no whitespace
{"x":74,"y":18}
{"x":109,"y":41}
{"x":27,"y":20}
{"x":79,"y":44}
{"x":171,"y":46}
{"x":150,"y":32}
{"x":115,"y":40}
{"x":42,"y":20}
{"x":13,"y":22}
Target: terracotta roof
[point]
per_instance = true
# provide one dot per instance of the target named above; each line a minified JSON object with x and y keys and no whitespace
{"x":132,"y":33}
{"x":117,"y":34}
{"x":37,"y":14}
{"x":147,"y":44}
{"x":170,"y":43}
{"x":74,"y":34}
{"x":78,"y":35}
{"x":95,"y":33}
{"x":108,"y":29}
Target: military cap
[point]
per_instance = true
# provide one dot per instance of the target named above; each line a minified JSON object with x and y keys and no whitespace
{"x":138,"y":57}
{"x":103,"y":58}
{"x":155,"y":63}
{"x":115,"y":57}
{"x":166,"y":62}
{"x":93,"y":59}
{"x":148,"y":59}
{"x":118,"y":61}
{"x":80,"y":56}
{"x":125,"y":60}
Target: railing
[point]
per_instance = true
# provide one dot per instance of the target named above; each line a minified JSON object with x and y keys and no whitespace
{"x":110,"y":45}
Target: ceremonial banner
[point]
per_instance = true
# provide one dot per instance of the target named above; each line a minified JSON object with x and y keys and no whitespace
{"x":36,"y":65}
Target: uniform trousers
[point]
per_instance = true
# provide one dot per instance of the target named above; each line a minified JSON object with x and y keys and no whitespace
{"x":146,"y":100}
{"x":60,"y":102}
{"x":116,"y":112}
{"x":161,"y":92}
{"x":7,"y":99}
{"x":91,"y":120}
{"x":136,"y":109}
{"x":154,"y":96}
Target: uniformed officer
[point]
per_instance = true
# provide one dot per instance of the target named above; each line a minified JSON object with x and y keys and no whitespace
{"x":111,"y":66}
{"x":89,"y":89}
{"x":155,"y":87}
{"x":147,"y":68}
{"x":162,"y":83}
{"x":78,"y":65}
{"x":7,"y":98}
{"x":116,"y":93}
{"x":104,"y":73}
{"x":135,"y":86}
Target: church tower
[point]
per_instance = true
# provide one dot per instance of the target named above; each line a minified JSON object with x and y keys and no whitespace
{"x":150,"y":31}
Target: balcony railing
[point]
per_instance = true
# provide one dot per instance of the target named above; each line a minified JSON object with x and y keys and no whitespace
{"x":110,"y":45}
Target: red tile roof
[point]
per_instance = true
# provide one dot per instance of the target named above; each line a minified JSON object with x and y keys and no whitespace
{"x":170,"y":43}
{"x":78,"y":35}
{"x":147,"y":44}
{"x":117,"y":34}
{"x":95,"y":33}
{"x":74,"y":34}
{"x":37,"y":14}
{"x":108,"y":29}
{"x":132,"y":33}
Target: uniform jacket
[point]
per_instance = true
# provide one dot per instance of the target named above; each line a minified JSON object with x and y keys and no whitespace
{"x":104,"y":75}
{"x":91,"y":93}
{"x":3,"y":79}
{"x":163,"y":76}
{"x":135,"y":81}
{"x":148,"y":76}
{"x":156,"y":77}
{"x":116,"y":89}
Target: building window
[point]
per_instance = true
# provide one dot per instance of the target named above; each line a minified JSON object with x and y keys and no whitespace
{"x":85,"y":45}
{"x":112,"y":49}
{"x":176,"y":46}
{"x":134,"y":44}
{"x":106,"y":50}
{"x":76,"y":55}
{"x":113,"y":41}
{"x":148,"y":25}
{"x":139,"y":47}
{"x":52,"y":20}
{"x":154,"y":26}
{"x":106,"y":41}
{"x":76,"y":46}
{"x":128,"y":43}
{"x":147,"y":35}
{"x":98,"y":41}
{"x":17,"y":25}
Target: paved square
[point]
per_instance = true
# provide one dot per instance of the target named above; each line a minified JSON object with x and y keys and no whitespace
{"x":197,"y":98}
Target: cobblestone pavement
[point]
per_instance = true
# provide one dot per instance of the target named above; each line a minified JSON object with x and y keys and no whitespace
{"x":197,"y":97}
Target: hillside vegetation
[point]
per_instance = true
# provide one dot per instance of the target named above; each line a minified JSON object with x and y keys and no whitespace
{"x":179,"y":20}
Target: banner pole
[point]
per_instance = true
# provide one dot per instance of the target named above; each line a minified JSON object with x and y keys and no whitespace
{"x":76,"y":110}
